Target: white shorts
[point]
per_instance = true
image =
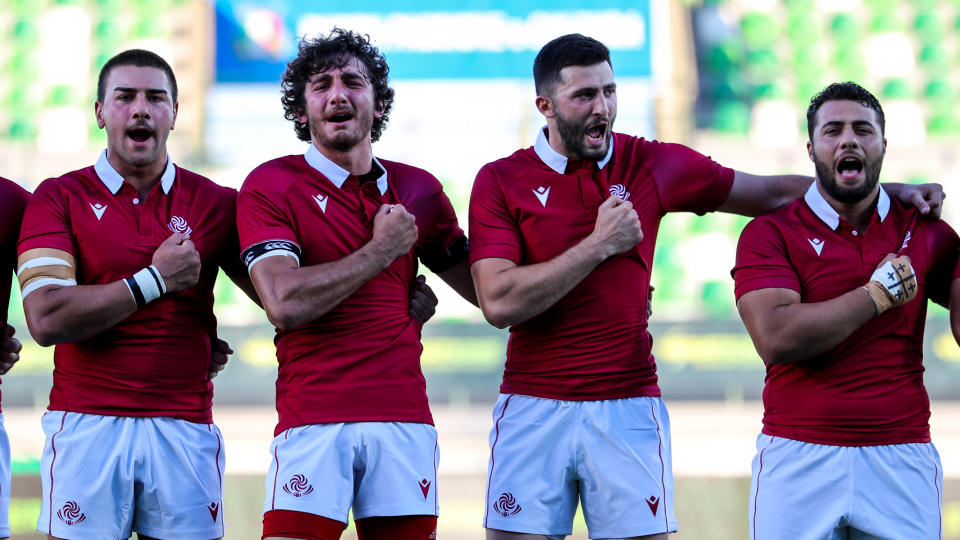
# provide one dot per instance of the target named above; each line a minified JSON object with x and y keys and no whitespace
{"x":812,"y":491}
{"x":4,"y":481}
{"x":377,"y":468}
{"x":614,"y":455}
{"x":105,"y":476}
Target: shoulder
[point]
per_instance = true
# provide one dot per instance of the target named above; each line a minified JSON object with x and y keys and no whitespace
{"x":274,"y":175}
{"x":401,"y":172}
{"x":12,"y":197}
{"x":202,"y":184}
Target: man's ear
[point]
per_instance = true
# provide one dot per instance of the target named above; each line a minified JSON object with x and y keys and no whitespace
{"x":545,"y":106}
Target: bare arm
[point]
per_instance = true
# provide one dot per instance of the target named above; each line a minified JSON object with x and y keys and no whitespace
{"x":60,"y":314}
{"x":784,"y":329}
{"x":294,"y":295}
{"x":510,"y":293}
{"x":753,"y":195}
{"x":459,"y":279}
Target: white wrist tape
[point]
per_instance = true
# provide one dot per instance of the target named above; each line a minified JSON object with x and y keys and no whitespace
{"x":146,"y":285}
{"x":892,"y":284}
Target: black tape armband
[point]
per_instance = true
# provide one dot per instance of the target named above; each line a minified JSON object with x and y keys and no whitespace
{"x":445,"y":259}
{"x":270,"y":248}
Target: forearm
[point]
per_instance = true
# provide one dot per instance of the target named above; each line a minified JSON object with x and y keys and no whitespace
{"x":64,"y":314}
{"x":792,"y":332}
{"x":294,"y":295}
{"x":518,"y":293}
{"x":753,"y":195}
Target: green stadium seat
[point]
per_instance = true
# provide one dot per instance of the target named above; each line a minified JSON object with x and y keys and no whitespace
{"x":762,"y":64}
{"x":885,"y":21}
{"x":932,"y":57}
{"x":732,"y":117}
{"x":724,"y":58}
{"x":896,"y":89}
{"x":927,"y":27}
{"x":848,"y":64}
{"x":943,"y":123}
{"x":802,"y":29}
{"x":938,"y":91}
{"x":23,"y":130}
{"x":844,"y":28}
{"x":60,"y":95}
{"x":759,"y":30}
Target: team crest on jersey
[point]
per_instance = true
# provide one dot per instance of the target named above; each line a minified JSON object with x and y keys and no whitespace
{"x":98,"y":209}
{"x":906,"y":240}
{"x":506,"y":505}
{"x":321,"y":200}
{"x":542,"y":193}
{"x":424,"y":487}
{"x":178,"y":224}
{"x":620,"y":191}
{"x":71,"y":514}
{"x":653,"y":502}
{"x":298,"y":486}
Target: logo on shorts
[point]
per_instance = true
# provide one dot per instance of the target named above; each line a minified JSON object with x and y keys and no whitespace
{"x":214,"y":509}
{"x":425,"y":487}
{"x":653,"y":502}
{"x":71,"y":514}
{"x":298,"y":486}
{"x":506,"y":505}
{"x":620,"y":191}
{"x":178,"y":224}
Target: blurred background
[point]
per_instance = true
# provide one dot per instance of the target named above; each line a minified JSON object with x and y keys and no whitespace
{"x":730,"y":78}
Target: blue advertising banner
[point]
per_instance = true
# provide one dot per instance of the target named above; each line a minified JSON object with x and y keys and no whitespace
{"x":430,"y":39}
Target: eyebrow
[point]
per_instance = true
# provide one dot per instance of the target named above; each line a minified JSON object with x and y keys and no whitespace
{"x":127,"y":90}
{"x":855,"y":123}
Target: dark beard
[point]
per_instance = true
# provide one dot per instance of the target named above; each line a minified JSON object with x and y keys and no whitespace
{"x":572,"y":134}
{"x":828,"y":179}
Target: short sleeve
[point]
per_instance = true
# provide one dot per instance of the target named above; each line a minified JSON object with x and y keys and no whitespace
{"x":260,"y":214}
{"x":762,"y":261}
{"x":686,"y":180}
{"x":494,"y":232}
{"x":46,"y":221}
{"x":442,"y":243}
{"x":943,"y":246}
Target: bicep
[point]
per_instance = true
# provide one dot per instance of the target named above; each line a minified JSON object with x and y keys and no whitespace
{"x":758,"y":308}
{"x":269,"y":274}
{"x":487,"y":275}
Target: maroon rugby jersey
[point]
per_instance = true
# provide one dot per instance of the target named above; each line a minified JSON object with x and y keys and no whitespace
{"x":593,"y":343}
{"x":155,"y":362}
{"x":13,"y":199}
{"x":361,"y":360}
{"x":868,"y":390}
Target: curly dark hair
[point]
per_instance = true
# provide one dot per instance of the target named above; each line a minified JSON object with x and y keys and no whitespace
{"x":845,"y":91}
{"x":333,"y":51}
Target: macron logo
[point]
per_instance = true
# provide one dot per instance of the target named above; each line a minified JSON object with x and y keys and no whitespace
{"x":98,"y":209}
{"x":321,"y":201}
{"x":817,"y":244}
{"x":542,"y":193}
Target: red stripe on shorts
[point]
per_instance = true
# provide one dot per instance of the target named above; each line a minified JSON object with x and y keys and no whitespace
{"x":756,"y":494}
{"x":53,"y":447}
{"x":496,"y":426}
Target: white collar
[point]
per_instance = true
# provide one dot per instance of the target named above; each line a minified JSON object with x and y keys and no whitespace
{"x":112,"y":179}
{"x":337,"y":174}
{"x":828,"y":215}
{"x":558,"y":161}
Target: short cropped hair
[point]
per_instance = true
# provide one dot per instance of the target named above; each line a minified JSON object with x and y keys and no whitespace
{"x":845,"y":91}
{"x":138,"y":58}
{"x":330,"y":52}
{"x":564,"y":51}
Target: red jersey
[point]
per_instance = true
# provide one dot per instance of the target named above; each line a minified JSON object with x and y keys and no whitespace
{"x":154,"y":362}
{"x":593,"y":343}
{"x":868,"y":390}
{"x":13,"y":199}
{"x":360,"y":361}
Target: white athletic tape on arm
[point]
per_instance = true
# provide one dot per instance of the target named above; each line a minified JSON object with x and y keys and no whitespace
{"x":43,"y":282}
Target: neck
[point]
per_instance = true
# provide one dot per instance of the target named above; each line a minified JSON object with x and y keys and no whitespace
{"x":356,"y":160}
{"x":553,"y":137}
{"x":857,"y":214}
{"x":142,"y":178}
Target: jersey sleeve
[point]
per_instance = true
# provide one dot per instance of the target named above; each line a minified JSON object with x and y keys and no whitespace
{"x":494,"y":232}
{"x":762,"y":261}
{"x":13,"y":201}
{"x":263,"y":227}
{"x":46,"y":221}
{"x":943,"y":246}
{"x":686,"y":180}
{"x":442,"y":243}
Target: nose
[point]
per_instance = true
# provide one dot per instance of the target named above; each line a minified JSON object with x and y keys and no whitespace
{"x":338,"y":92}
{"x":140,"y":109}
{"x":849,"y":138}
{"x":600,"y":105}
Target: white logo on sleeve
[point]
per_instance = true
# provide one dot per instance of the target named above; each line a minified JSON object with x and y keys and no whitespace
{"x":321,"y":201}
{"x":620,"y":191}
{"x":542,"y":193}
{"x":817,"y":244}
{"x":178,"y":224}
{"x":98,"y":209}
